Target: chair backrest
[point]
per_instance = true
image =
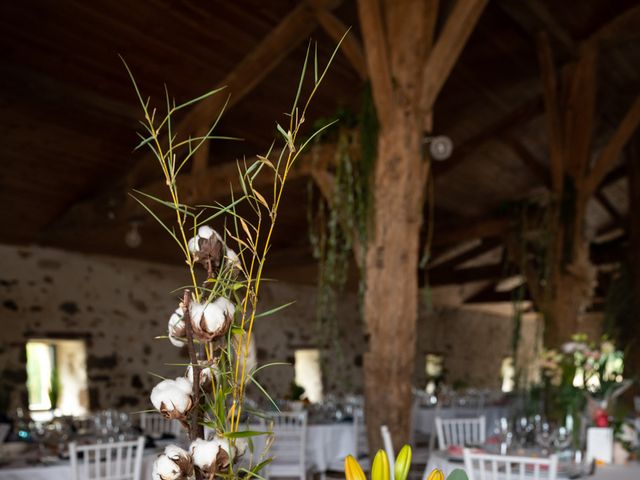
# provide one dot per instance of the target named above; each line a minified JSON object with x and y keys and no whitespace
{"x":460,"y":431}
{"x":388,"y":448}
{"x":289,"y":445}
{"x":360,"y":441}
{"x":155,"y":425}
{"x":483,"y":466}
{"x":107,"y":461}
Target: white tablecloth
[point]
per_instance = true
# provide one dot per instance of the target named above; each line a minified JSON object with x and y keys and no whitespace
{"x":607,"y":472}
{"x":424,"y":418}
{"x":326,"y":443}
{"x":62,"y":471}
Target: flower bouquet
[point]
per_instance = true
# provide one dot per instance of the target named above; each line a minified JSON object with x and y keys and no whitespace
{"x":216,"y":312}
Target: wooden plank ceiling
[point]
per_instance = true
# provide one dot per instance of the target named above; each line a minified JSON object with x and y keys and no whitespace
{"x":69,"y":116}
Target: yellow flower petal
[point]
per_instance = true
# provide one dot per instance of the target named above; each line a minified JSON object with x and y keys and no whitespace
{"x":380,"y":466}
{"x":436,"y":474}
{"x":352,"y":469}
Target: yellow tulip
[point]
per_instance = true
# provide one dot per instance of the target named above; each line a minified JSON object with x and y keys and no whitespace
{"x":436,"y":474}
{"x":352,"y":469}
{"x":403,"y":463}
{"x":380,"y":466}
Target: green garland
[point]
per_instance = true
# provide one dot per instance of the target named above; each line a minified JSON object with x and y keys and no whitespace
{"x":335,"y":227}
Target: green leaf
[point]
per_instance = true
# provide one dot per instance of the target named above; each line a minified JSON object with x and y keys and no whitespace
{"x":264,"y":392}
{"x":274,"y":310}
{"x":458,"y":474}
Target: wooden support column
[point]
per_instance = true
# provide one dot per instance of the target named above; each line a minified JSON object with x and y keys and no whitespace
{"x":565,"y":290}
{"x":406,"y":76}
{"x":632,"y":335}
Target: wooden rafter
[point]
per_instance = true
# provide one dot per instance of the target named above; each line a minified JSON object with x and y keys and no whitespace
{"x":377,"y":56}
{"x":247,"y":74}
{"x":550,"y":89}
{"x":612,"y":150}
{"x":215,"y":183}
{"x":447,"y":49}
{"x":335,"y":28}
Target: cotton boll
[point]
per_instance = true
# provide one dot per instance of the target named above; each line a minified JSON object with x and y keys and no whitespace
{"x":231,"y":258}
{"x":194,"y":244}
{"x":172,"y":398}
{"x":210,"y":455}
{"x":225,"y":305}
{"x":212,"y":320}
{"x":174,"y":464}
{"x":206,"y":231}
{"x":177,"y":328}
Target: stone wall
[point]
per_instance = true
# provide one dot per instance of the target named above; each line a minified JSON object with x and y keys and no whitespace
{"x":118,"y":306}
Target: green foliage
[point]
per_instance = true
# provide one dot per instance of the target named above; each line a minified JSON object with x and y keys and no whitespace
{"x":54,"y":387}
{"x":336,"y":227}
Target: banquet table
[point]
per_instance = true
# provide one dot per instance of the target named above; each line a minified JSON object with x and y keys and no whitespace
{"x":631,"y":471}
{"x":62,"y":469}
{"x":327,"y":443}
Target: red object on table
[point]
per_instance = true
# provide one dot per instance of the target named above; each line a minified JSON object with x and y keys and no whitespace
{"x":601,"y":418}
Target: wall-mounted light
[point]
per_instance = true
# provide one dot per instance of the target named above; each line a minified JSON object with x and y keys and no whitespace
{"x":440,"y":146}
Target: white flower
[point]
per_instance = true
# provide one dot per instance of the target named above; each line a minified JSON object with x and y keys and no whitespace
{"x":211,"y":320}
{"x":210,"y":456}
{"x":571,"y":347}
{"x":177,"y":328}
{"x":172,"y":398}
{"x":607,"y":348}
{"x":204,"y":232}
{"x":173,"y":464}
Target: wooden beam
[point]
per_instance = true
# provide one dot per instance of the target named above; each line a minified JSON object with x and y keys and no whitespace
{"x":377,"y":56}
{"x":533,"y":16}
{"x":531,"y":162}
{"x":608,"y":206}
{"x":491,"y":295}
{"x":611,"y":152}
{"x":486,"y":228}
{"x":554,"y":131}
{"x":199,"y":187}
{"x":447,"y":49}
{"x":623,"y":26}
{"x":252,"y":69}
{"x":485,"y":246}
{"x":351,"y":46}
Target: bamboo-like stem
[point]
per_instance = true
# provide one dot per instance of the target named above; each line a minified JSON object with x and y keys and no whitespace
{"x":195,"y":425}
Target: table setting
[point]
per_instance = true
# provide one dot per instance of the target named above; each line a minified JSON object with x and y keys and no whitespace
{"x":534,"y":438}
{"x":40,"y":450}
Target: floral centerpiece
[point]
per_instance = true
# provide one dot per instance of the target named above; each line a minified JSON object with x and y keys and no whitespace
{"x":583,"y":377}
{"x":215,"y":313}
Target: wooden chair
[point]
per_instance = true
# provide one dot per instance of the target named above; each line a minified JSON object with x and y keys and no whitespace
{"x":107,"y":461}
{"x":483,"y":466}
{"x":289,"y":448}
{"x":156,"y":426}
{"x":460,"y":431}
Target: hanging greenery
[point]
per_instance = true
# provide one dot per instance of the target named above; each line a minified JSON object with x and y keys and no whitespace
{"x":338,"y":223}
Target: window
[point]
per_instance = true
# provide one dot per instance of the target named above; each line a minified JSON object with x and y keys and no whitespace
{"x":57,"y":376}
{"x":434,"y":370}
{"x":308,"y":373}
{"x":508,"y":374}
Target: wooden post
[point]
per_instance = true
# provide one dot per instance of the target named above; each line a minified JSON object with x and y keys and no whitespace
{"x":566,"y":290}
{"x":406,"y":76}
